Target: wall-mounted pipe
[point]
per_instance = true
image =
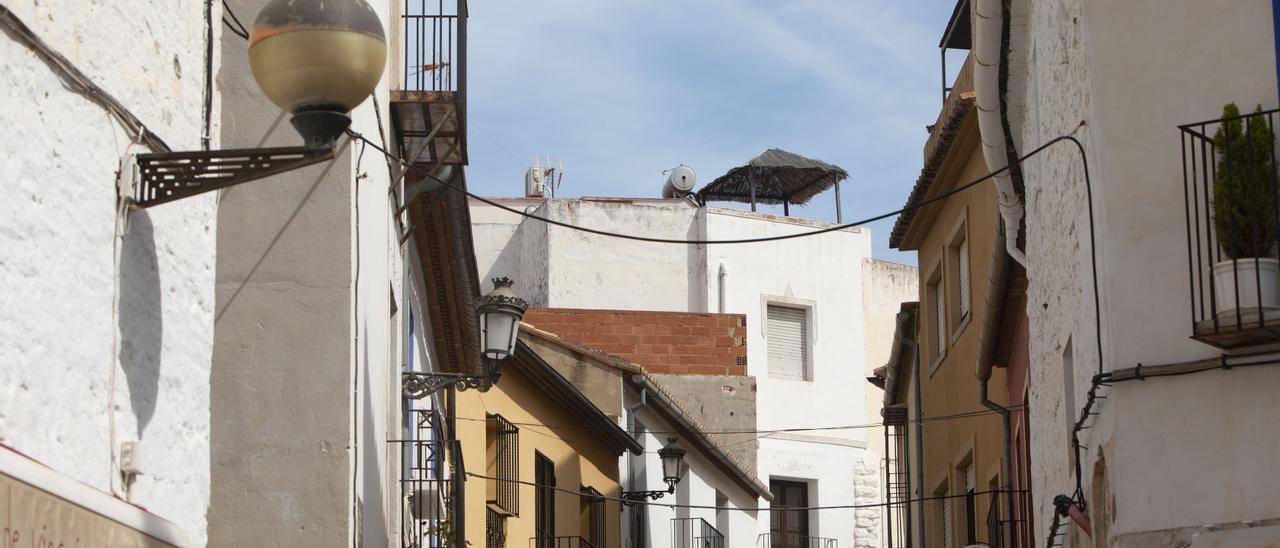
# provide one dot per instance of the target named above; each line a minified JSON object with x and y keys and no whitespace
{"x":723,"y":280}
{"x":987,"y":51}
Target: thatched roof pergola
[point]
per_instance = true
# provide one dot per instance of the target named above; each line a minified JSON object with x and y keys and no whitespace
{"x":774,"y":177}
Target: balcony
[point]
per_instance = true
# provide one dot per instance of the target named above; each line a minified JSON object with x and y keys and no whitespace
{"x":790,"y":540}
{"x":1232,"y":209}
{"x":430,"y":485}
{"x":559,"y":542}
{"x":695,"y":533}
{"x":428,"y":112}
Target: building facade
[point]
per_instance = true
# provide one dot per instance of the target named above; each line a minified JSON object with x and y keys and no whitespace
{"x":1120,"y":260}
{"x":807,"y":292}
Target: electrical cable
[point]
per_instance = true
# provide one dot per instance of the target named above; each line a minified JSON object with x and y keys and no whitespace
{"x":833,"y":228}
{"x":77,"y":81}
{"x":954,"y":416}
{"x":355,"y":380}
{"x":753,"y":509}
{"x":238,"y":28}
{"x":206,"y":130}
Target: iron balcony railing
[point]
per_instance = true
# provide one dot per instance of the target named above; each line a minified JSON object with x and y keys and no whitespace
{"x":1232,"y":206}
{"x":695,"y":533}
{"x":559,"y":542}
{"x":430,"y":485}
{"x":434,"y":34}
{"x":792,"y":540}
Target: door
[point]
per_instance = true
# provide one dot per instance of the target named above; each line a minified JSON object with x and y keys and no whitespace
{"x":789,"y":528}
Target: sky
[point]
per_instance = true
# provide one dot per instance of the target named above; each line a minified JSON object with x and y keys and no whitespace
{"x":621,"y":90}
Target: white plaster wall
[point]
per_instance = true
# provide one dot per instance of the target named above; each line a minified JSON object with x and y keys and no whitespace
{"x":698,"y":486}
{"x":58,"y":158}
{"x":588,"y":271}
{"x":886,"y":285}
{"x":1133,"y":71}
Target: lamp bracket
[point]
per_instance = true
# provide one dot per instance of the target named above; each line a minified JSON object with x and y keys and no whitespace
{"x":416,"y":386}
{"x":631,"y":498}
{"x":168,"y":176}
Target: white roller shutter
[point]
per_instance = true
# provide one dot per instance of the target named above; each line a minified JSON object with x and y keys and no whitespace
{"x":963,"y":251}
{"x":969,"y":480}
{"x":788,"y":341}
{"x":939,"y":317}
{"x":946,"y":521}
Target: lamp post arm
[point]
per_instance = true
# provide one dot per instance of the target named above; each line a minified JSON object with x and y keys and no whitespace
{"x":416,"y":386}
{"x":167,"y":176}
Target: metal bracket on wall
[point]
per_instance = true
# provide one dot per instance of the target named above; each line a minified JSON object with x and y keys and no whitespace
{"x":420,"y":385}
{"x":168,"y":176}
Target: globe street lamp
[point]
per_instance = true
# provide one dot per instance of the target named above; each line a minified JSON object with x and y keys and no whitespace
{"x":316,"y":59}
{"x":672,"y":457}
{"x":500,"y":313}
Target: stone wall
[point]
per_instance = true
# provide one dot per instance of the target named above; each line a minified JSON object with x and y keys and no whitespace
{"x":59,"y":154}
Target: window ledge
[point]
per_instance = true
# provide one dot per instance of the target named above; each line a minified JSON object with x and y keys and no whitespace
{"x":937,"y":362}
{"x":959,"y":329}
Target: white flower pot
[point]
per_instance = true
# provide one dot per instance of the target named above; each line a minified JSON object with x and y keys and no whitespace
{"x":1247,"y":275}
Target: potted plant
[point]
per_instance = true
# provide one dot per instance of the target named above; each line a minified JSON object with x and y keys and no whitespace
{"x":1244,"y":213}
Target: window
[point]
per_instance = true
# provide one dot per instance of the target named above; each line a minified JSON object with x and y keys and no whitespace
{"x":970,"y":504}
{"x":959,"y":252}
{"x":503,"y":441}
{"x":787,"y":333}
{"x":937,"y":311}
{"x":593,"y":514}
{"x":495,"y":529}
{"x":945,"y":533}
{"x":544,"y":502}
{"x":788,"y":528}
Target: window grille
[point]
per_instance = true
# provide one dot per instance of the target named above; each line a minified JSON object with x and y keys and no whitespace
{"x":544,"y":505}
{"x":495,"y":529}
{"x":788,"y":341}
{"x":506,"y":465}
{"x":595,"y":517}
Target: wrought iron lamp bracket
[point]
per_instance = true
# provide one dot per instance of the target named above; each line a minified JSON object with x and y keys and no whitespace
{"x":168,"y":176}
{"x":631,"y":498}
{"x":416,"y":386}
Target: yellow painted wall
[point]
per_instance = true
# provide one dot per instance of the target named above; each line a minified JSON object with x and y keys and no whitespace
{"x":949,"y":385}
{"x":580,"y":459}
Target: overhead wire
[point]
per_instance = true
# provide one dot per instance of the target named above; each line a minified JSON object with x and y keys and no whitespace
{"x":238,"y":28}
{"x":752,"y":509}
{"x":599,"y":232}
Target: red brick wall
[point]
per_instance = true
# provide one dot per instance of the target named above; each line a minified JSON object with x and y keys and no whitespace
{"x":661,"y":342}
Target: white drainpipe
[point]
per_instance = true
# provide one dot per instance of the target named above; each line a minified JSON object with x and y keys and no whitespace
{"x":723,"y":279}
{"x":986,"y":86}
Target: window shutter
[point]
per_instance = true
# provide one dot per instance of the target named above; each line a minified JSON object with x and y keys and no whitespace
{"x":963,"y":251}
{"x":939,"y":317}
{"x":969,"y":480}
{"x":946,"y":522}
{"x":788,"y":341}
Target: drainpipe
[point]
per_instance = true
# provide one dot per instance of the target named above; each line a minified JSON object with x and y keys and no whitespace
{"x":987,"y":51}
{"x":724,"y":279}
{"x":915,"y":349}
{"x":997,"y":280}
{"x":631,"y":463}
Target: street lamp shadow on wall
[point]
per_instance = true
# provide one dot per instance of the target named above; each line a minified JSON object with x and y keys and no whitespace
{"x":672,"y":456}
{"x":317,"y":59}
{"x":500,"y":313}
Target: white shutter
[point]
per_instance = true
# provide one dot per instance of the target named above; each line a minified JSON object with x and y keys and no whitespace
{"x":963,"y":250}
{"x":939,"y":317}
{"x":969,"y":480}
{"x":946,"y":521}
{"x":788,"y":341}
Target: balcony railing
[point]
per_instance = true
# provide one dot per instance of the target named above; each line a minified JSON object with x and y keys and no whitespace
{"x":430,"y":485}
{"x":1232,"y":206}
{"x":429,"y":110}
{"x":559,"y":542}
{"x":791,"y":540}
{"x":695,"y":533}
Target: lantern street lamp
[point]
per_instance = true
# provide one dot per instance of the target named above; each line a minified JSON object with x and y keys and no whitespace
{"x":672,"y":457}
{"x":316,"y":59}
{"x":500,"y":313}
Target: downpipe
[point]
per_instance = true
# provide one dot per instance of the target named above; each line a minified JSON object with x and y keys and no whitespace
{"x":1005,"y":468}
{"x":986,"y":86}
